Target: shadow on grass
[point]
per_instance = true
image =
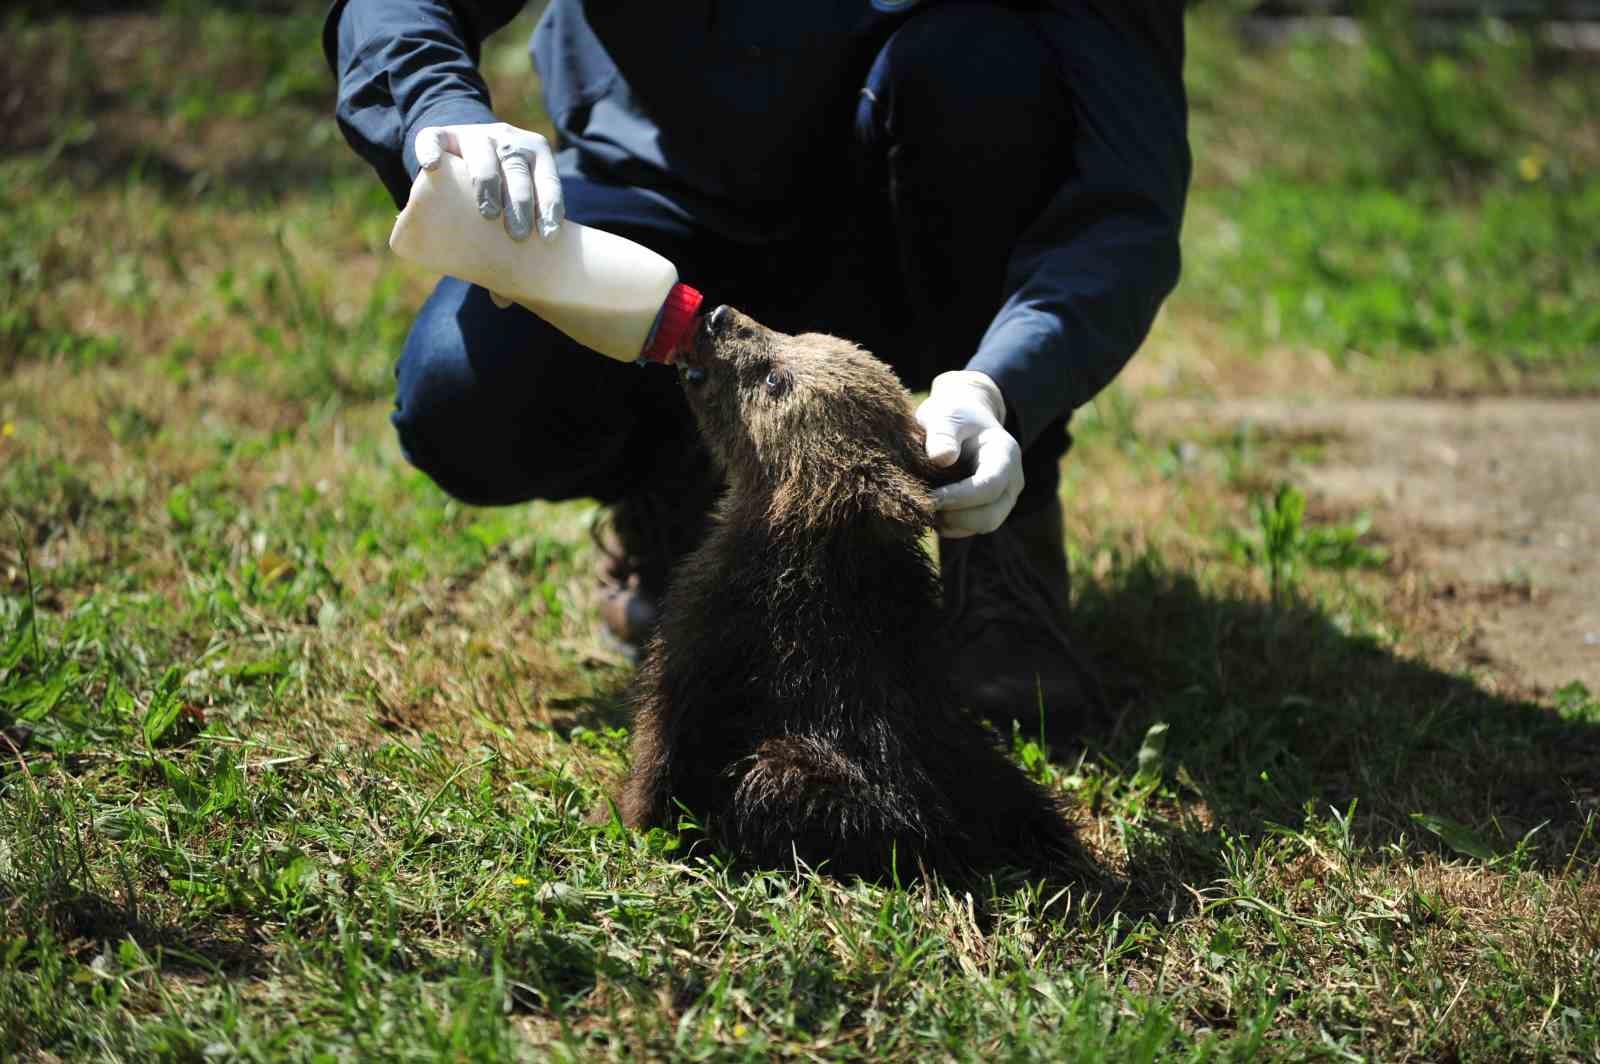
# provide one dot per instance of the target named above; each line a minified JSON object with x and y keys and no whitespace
{"x":605,"y":708}
{"x":145,"y":98}
{"x":80,"y":8}
{"x":114,"y":161}
{"x":93,"y":920}
{"x":1274,"y":710}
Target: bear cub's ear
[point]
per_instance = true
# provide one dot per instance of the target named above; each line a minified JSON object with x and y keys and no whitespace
{"x":897,"y":504}
{"x":899,"y":498}
{"x":901,"y":505}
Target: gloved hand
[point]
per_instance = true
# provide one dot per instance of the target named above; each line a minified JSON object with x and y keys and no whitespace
{"x":513,"y":174}
{"x":965,"y":415}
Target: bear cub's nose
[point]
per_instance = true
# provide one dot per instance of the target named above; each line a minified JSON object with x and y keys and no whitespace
{"x":718,"y":320}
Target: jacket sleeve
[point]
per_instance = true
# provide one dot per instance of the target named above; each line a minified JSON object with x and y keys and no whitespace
{"x":403,"y":65}
{"x":1087,"y":277}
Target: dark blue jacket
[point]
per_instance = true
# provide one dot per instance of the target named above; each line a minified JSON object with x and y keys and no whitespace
{"x":772,"y":76}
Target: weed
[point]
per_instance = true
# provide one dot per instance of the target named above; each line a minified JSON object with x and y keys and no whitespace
{"x":1575,"y":702}
{"x":1282,"y":542}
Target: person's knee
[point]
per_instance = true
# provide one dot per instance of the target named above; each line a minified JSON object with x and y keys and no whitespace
{"x":969,"y":78}
{"x":497,"y":407}
{"x":441,"y":421}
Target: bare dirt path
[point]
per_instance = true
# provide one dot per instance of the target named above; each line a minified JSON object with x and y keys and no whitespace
{"x":1495,"y":501}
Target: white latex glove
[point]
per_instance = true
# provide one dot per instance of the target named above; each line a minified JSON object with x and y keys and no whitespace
{"x":513,"y":174}
{"x":965,"y":415}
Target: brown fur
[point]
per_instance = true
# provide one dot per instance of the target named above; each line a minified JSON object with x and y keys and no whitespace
{"x":795,"y":696}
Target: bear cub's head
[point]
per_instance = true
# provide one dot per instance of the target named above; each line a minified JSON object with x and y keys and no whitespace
{"x":812,"y":430}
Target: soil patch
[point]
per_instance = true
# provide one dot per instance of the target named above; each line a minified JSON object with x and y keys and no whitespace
{"x":1496,"y":502}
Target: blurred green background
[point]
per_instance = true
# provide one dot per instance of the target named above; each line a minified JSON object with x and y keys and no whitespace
{"x":1394,"y":198}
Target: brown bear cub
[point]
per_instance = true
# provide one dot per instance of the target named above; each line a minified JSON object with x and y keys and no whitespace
{"x":794,"y":697}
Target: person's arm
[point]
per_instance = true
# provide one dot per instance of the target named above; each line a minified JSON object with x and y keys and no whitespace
{"x":1085,"y":281}
{"x":404,"y":66}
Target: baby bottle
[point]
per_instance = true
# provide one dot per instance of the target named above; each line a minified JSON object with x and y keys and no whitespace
{"x":606,"y":292}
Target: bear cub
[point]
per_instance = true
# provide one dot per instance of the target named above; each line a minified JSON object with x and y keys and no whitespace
{"x":794,"y":698}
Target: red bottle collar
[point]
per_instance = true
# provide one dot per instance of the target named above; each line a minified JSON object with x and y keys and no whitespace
{"x":674,"y":328}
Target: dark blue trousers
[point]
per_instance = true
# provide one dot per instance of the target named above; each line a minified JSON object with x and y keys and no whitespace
{"x":960,"y":137}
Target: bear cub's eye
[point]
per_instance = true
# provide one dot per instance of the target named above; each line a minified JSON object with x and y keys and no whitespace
{"x":777,"y":383}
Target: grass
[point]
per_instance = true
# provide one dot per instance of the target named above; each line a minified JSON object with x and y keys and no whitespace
{"x":1397,"y":201}
{"x":295,"y":751}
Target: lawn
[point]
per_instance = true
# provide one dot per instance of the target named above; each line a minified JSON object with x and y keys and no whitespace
{"x":295,"y":751}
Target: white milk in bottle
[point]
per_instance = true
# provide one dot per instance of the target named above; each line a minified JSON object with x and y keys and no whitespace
{"x":606,"y":292}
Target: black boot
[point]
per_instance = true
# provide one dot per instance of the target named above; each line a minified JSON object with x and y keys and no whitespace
{"x":1006,"y":598}
{"x":640,"y":541}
